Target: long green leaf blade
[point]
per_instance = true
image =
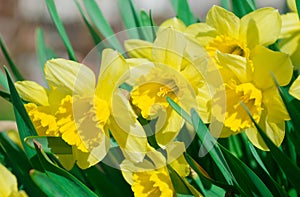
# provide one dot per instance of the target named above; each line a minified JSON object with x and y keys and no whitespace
{"x":298,"y":7}
{"x":50,"y":144}
{"x":25,"y":126}
{"x":129,"y":18}
{"x":60,"y":28}
{"x":5,"y":95}
{"x":93,"y":32}
{"x":3,"y":81}
{"x":43,"y":52}
{"x":183,"y":11}
{"x":18,"y":76}
{"x":243,"y":7}
{"x":61,"y":176}
{"x":287,"y":165}
{"x":20,"y":164}
{"x":101,"y":23}
{"x":211,"y":145}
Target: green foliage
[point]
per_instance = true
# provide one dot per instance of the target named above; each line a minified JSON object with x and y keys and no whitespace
{"x":43,"y":52}
{"x":93,"y":32}
{"x":183,"y":11}
{"x":11,"y":64}
{"x":298,"y":7}
{"x":101,"y":23}
{"x":60,"y":28}
{"x":24,"y":123}
{"x":55,"y":181}
{"x":243,"y":7}
{"x":232,"y":166}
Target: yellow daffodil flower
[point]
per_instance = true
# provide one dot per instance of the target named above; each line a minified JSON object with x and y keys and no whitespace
{"x":169,"y":68}
{"x":77,"y":111}
{"x":151,"y":176}
{"x":295,"y":88}
{"x":8,"y":184}
{"x":290,"y":34}
{"x":237,"y":47}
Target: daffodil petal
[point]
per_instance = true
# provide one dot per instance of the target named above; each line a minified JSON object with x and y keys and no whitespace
{"x":275,"y":132}
{"x":174,"y":22}
{"x":289,"y":45}
{"x":274,"y":106}
{"x":176,"y":159}
{"x":8,"y":183}
{"x":113,"y":68}
{"x":86,"y":160}
{"x":152,"y":161}
{"x":32,"y":92}
{"x":295,"y":88}
{"x":72,"y":76}
{"x":201,"y":33}
{"x":290,"y":24}
{"x":171,"y":126}
{"x":268,"y":23}
{"x":169,"y":47}
{"x":66,"y":160}
{"x":292,"y":5}
{"x":236,"y":64}
{"x":126,"y":130}
{"x":266,"y":62}
{"x":225,"y":22}
{"x":139,"y":48}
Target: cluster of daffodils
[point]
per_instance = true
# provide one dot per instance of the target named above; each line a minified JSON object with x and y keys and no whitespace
{"x":219,"y":67}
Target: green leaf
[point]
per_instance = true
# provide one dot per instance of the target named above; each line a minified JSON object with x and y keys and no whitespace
{"x":43,"y":52}
{"x":293,"y":112}
{"x":50,"y":144}
{"x":60,"y":28}
{"x":273,"y":185}
{"x":179,"y":110}
{"x":10,"y":62}
{"x":204,"y":176}
{"x":55,"y":177}
{"x":183,"y":11}
{"x":243,"y":7}
{"x":101,"y":24}
{"x":102,"y":184}
{"x":181,"y":186}
{"x":211,"y":146}
{"x":287,"y":165}
{"x":130,"y":18}
{"x":93,"y":32}
{"x":225,"y":4}
{"x":19,"y":163}
{"x":298,"y":7}
{"x":55,"y":185}
{"x":5,"y":95}
{"x":257,"y":157}
{"x":149,"y":28}
{"x":247,"y":180}
{"x":234,"y":171}
{"x":3,"y":81}
{"x":25,"y":126}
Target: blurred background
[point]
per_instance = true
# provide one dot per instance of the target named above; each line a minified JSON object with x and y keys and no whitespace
{"x":20,"y":18}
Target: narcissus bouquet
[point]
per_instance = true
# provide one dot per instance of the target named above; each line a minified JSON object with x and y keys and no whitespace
{"x":181,"y":108}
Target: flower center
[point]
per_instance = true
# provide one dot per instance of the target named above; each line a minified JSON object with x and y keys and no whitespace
{"x":226,"y":44}
{"x":236,"y":118}
{"x":149,"y":94}
{"x":43,"y":121}
{"x":152,"y":183}
{"x":150,"y":97}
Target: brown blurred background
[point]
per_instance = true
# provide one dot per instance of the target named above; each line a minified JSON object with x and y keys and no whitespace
{"x":20,"y":18}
